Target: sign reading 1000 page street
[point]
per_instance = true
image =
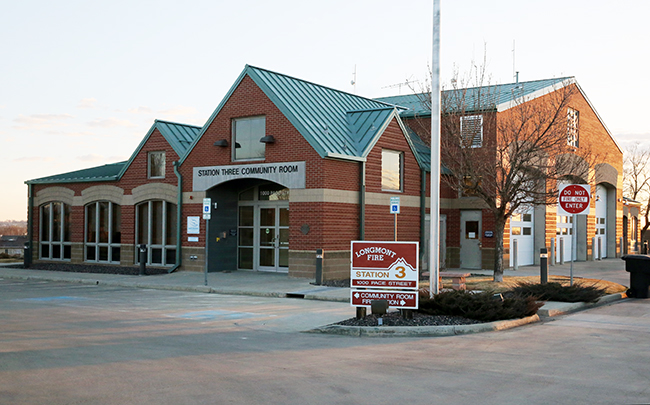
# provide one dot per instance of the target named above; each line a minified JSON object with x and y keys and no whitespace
{"x":384,"y":265}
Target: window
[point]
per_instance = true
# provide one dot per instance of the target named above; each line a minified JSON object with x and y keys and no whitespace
{"x":246,"y":133}
{"x":156,"y":228}
{"x":55,"y":241}
{"x":471,"y":131}
{"x":103,"y":236}
{"x":573,"y":123}
{"x":391,"y":170}
{"x":156,"y":165}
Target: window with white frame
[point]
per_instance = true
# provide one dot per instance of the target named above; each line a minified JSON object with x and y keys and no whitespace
{"x":471,"y":131}
{"x":156,"y":227}
{"x":392,"y":163}
{"x":246,"y":134}
{"x":573,"y":124}
{"x":102,"y":232}
{"x":55,"y":242}
{"x":156,"y":165}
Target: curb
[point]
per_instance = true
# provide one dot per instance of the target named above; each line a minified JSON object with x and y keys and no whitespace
{"x":557,"y":309}
{"x":424,"y":331}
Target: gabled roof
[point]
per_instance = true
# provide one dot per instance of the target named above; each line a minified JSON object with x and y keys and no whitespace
{"x":179,"y":137}
{"x":493,"y":97}
{"x":335,"y":123}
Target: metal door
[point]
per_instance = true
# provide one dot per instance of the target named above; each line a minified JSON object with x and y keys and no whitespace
{"x":470,"y":239}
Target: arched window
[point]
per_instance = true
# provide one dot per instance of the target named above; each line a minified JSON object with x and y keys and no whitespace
{"x":102,"y":232}
{"x":55,"y":242}
{"x":156,"y":228}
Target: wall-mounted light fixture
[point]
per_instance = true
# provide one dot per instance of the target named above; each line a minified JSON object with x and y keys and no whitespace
{"x":268,"y":139}
{"x":221,"y":142}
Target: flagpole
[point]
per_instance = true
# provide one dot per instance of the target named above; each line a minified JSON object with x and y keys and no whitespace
{"x":434,"y":239}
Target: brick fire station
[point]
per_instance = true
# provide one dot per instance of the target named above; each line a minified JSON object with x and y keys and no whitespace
{"x":291,"y":167}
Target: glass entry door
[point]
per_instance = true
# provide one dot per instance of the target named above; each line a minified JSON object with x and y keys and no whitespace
{"x":263,"y":231}
{"x":273,"y":231}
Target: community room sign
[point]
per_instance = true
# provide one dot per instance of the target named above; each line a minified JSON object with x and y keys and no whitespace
{"x":288,"y":174}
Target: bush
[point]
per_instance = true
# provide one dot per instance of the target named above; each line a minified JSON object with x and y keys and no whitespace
{"x":481,"y":306}
{"x":558,"y":292}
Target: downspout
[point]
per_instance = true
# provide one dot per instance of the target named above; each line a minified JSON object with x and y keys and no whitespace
{"x":423,"y":212}
{"x":29,"y":251}
{"x":362,"y":201}
{"x":179,"y":221}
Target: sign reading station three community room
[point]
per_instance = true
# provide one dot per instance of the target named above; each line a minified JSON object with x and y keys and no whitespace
{"x":384,"y":264}
{"x":288,"y":174}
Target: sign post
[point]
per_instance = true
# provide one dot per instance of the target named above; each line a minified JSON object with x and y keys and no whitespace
{"x":394,"y":209}
{"x":574,"y":199}
{"x":207,"y":214}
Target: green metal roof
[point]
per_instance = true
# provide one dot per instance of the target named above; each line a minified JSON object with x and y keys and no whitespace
{"x":335,"y":123}
{"x":494,"y":97}
{"x":107,"y":172}
{"x":179,"y":136}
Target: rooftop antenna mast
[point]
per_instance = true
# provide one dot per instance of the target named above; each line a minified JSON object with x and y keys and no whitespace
{"x":408,"y":82}
{"x":353,"y":82}
{"x":515,"y":74}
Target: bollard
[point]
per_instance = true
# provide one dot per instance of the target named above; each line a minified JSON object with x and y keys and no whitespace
{"x":27,"y":255}
{"x":593,"y":249}
{"x":561,"y":250}
{"x":319,"y":266}
{"x":543,"y":265}
{"x":600,"y":247}
{"x":143,"y":259}
{"x":645,"y":247}
{"x":552,"y":253}
{"x":361,"y":312}
{"x":515,"y":265}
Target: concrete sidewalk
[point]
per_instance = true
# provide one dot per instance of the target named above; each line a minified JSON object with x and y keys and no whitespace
{"x":281,"y":286}
{"x":235,"y":283}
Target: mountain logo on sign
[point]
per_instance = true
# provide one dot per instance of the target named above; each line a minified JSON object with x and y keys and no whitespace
{"x":401,"y":263}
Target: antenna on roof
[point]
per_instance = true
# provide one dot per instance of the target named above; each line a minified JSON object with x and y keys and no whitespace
{"x":515,"y":74}
{"x":353,"y":82}
{"x":408,"y":82}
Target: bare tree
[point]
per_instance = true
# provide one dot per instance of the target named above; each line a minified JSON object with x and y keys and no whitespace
{"x":511,"y":162}
{"x":636,"y":178}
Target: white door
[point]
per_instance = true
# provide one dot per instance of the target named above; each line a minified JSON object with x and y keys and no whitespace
{"x":601,"y":223}
{"x":522,"y":231}
{"x":470,"y":239}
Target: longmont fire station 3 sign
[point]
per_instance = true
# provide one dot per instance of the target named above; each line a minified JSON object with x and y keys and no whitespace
{"x":574,"y":199}
{"x":384,"y":265}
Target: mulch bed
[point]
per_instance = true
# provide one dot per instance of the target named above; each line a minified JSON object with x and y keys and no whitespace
{"x":396,"y":319}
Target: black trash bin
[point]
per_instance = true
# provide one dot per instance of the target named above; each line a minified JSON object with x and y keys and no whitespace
{"x":639,"y":268}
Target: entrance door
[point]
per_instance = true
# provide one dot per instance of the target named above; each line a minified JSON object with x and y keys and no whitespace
{"x":273,"y":231}
{"x":470,"y":239}
{"x":522,"y":230}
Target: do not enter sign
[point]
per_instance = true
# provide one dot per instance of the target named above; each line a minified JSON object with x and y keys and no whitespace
{"x":574,"y":199}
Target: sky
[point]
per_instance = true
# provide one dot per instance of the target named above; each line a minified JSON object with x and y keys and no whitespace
{"x":81,"y":82}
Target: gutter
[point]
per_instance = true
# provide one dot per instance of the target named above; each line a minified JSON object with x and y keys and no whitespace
{"x":362,"y":201}
{"x":28,"y":253}
{"x":179,"y":211}
{"x":423,"y":212}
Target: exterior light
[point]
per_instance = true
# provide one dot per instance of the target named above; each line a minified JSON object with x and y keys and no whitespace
{"x":222,"y":142}
{"x":268,"y":139}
